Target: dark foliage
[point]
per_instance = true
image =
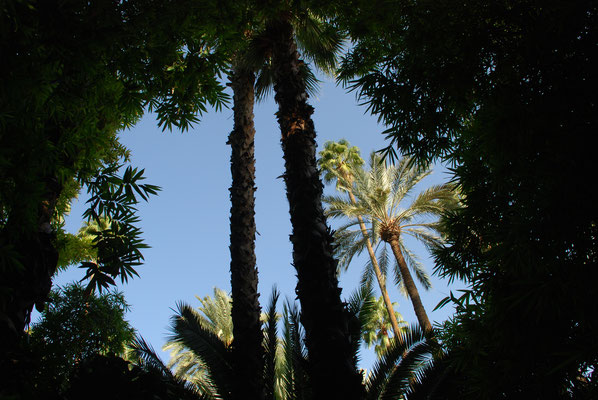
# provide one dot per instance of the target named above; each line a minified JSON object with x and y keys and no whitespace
{"x":505,"y":92}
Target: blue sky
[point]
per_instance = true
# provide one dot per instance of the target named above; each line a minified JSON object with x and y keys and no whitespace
{"x":187,"y":224}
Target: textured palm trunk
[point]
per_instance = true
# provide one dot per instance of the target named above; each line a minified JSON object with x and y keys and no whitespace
{"x":412,"y":291}
{"x":332,"y":367}
{"x":379,"y":277}
{"x":247,"y":333}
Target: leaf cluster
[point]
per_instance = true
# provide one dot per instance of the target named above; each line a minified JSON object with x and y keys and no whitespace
{"x":118,"y":245}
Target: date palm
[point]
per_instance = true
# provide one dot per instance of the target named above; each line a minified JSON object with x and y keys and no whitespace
{"x":381,"y":194}
{"x":339,"y":161}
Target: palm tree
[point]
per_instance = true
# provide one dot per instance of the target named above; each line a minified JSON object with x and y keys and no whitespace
{"x":339,"y":161}
{"x":380,"y":194}
{"x":247,"y":350}
{"x":254,"y":57}
{"x":323,"y":316}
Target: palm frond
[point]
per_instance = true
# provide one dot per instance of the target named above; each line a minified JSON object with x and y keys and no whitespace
{"x":434,"y":201}
{"x":264,"y":82}
{"x":391,"y":376}
{"x":361,"y":306}
{"x":295,"y":377}
{"x":271,"y":345}
{"x":348,"y":245}
{"x":341,"y":206}
{"x":415,"y":265}
{"x":319,"y":41}
{"x":188,"y":329}
{"x":144,"y":355}
{"x":427,"y":236}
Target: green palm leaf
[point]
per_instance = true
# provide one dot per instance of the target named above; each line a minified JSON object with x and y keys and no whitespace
{"x":189,"y":330}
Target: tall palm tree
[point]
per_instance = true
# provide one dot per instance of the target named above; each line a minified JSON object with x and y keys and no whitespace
{"x":380,"y":194}
{"x":252,"y":73}
{"x":323,"y":315}
{"x":247,"y":350}
{"x":339,"y":160}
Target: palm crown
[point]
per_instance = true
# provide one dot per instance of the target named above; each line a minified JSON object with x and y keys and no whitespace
{"x":381,"y":195}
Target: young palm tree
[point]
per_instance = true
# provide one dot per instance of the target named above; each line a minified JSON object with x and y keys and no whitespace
{"x":323,"y":316}
{"x":380,"y":195}
{"x":339,"y":161}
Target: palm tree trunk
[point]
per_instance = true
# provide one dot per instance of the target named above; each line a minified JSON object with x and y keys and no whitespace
{"x":247,"y":343}
{"x":332,"y":364}
{"x":379,"y":277}
{"x":418,"y":307}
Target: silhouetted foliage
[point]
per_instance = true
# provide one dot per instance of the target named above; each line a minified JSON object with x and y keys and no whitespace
{"x":505,"y":93}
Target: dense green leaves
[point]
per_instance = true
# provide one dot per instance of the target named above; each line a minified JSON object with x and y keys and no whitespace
{"x":73,"y":327}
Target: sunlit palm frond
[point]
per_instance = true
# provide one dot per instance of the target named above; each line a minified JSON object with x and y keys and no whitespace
{"x":189,"y":367}
{"x":217,"y":314}
{"x":425,"y":235}
{"x":271,"y":347}
{"x":433,"y":201}
{"x":415,"y":265}
{"x":348,"y":245}
{"x":341,"y":206}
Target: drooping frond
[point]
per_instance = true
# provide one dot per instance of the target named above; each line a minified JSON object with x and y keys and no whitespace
{"x":348,"y":244}
{"x":425,"y":233}
{"x":415,"y":265}
{"x":393,"y":373}
{"x":143,"y":354}
{"x":189,"y":329}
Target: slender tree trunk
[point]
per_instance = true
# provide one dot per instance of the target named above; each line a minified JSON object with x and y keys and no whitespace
{"x":332,"y":365}
{"x":379,"y":277}
{"x":418,"y":307}
{"x":247,"y":334}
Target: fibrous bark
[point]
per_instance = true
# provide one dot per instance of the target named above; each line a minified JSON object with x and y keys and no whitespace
{"x":247,"y":333}
{"x":323,"y":315}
